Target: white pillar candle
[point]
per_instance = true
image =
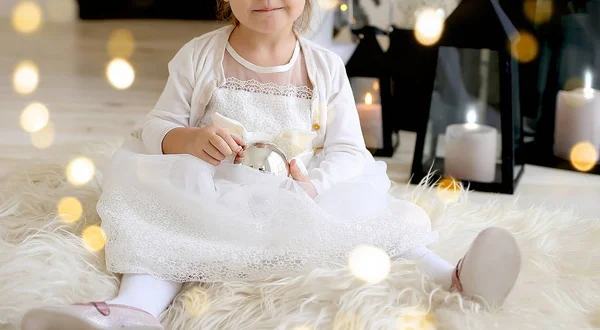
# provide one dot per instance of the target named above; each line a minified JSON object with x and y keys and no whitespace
{"x":470,"y":152}
{"x":370,"y":122}
{"x":577,"y":120}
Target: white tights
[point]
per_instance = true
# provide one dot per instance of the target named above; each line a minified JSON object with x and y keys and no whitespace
{"x":146,"y":293}
{"x":154,"y":296}
{"x":430,"y":263}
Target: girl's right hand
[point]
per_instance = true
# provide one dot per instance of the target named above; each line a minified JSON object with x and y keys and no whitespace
{"x":213,"y":144}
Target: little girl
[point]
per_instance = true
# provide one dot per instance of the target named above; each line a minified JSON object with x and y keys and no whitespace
{"x":177,"y":206}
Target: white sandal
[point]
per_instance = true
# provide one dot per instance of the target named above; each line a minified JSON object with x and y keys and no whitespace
{"x":490,"y":268}
{"x":91,"y":316}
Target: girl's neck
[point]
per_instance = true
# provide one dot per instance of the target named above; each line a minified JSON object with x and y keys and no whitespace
{"x":263,"y":49}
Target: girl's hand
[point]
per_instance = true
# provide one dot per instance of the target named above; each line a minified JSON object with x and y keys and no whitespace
{"x":239,"y":158}
{"x":304,"y":181}
{"x":213,"y":144}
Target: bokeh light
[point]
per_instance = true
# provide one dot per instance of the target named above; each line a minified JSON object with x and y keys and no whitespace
{"x":344,"y":7}
{"x":34,"y":117}
{"x":584,"y":156}
{"x":525,"y":48}
{"x":94,"y":238}
{"x":429,"y":27}
{"x":328,"y":4}
{"x":370,"y":140}
{"x":80,"y":171}
{"x":538,"y":11}
{"x":416,"y":319}
{"x":573,"y":83}
{"x":448,"y":190}
{"x":26,"y":77}
{"x":120,"y":73}
{"x":376,"y":86}
{"x":27,"y":17}
{"x":369,"y":263}
{"x":69,"y":209}
{"x":43,"y":138}
{"x":121,"y":44}
{"x":196,"y":301}
{"x":61,"y":11}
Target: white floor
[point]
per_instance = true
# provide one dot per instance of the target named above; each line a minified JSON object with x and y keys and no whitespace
{"x":72,"y":60}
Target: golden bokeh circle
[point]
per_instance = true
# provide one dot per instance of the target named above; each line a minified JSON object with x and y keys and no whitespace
{"x":94,"y":238}
{"x":573,"y":83}
{"x":34,"y":117}
{"x":525,"y":48}
{"x":369,"y":263}
{"x":328,"y":4}
{"x":343,"y":7}
{"x":26,"y":78}
{"x":121,"y":44}
{"x":538,"y":11}
{"x":584,"y":156}
{"x":80,"y":171}
{"x":448,"y":190}
{"x":27,"y":17}
{"x":429,"y":27}
{"x":416,"y":318}
{"x":69,"y":209}
{"x":43,"y":138}
{"x":371,"y":140}
{"x":376,"y":86}
{"x":120,"y":73}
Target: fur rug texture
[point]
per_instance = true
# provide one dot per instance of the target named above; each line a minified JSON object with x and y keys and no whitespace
{"x":43,"y":261}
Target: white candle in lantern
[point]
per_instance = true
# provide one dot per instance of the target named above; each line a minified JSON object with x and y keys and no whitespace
{"x":577,"y":118}
{"x":370,"y":122}
{"x":470,"y":151}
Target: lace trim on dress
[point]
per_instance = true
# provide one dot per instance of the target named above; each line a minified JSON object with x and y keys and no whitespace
{"x":255,"y":86}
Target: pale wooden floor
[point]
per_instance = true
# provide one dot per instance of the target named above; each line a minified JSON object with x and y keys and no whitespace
{"x":72,"y":60}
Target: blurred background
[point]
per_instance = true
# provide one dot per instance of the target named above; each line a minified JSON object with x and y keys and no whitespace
{"x":88,"y":70}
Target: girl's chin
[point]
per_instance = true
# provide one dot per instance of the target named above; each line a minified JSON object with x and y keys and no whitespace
{"x":269,"y":26}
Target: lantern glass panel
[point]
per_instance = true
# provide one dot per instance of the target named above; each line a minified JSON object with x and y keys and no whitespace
{"x":463,"y":138}
{"x":367,"y":96}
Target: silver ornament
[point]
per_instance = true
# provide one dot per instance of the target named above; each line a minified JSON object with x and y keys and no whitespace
{"x":268,"y":158}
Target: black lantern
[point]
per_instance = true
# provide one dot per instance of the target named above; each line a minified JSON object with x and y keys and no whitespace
{"x":472,"y":127}
{"x":564,"y":131}
{"x":369,"y":77}
{"x":411,"y":66}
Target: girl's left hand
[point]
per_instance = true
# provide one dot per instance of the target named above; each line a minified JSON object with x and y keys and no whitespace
{"x":303,"y":179}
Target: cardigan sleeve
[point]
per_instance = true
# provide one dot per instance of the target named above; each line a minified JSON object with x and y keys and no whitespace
{"x":173,"y":107}
{"x":344,"y":147}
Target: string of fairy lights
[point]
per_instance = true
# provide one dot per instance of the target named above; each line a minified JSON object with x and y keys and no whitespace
{"x":27,"y":18}
{"x":367,"y":263}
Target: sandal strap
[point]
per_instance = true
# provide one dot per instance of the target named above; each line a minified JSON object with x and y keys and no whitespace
{"x":101,"y":306}
{"x":456,"y":276}
{"x":104,"y":308}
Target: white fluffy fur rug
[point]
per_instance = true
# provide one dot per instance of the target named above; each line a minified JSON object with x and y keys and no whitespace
{"x":43,"y":261}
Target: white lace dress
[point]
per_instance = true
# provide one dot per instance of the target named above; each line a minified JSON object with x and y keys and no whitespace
{"x":181,"y":219}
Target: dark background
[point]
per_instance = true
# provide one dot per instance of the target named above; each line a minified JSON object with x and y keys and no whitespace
{"x":157,"y":9}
